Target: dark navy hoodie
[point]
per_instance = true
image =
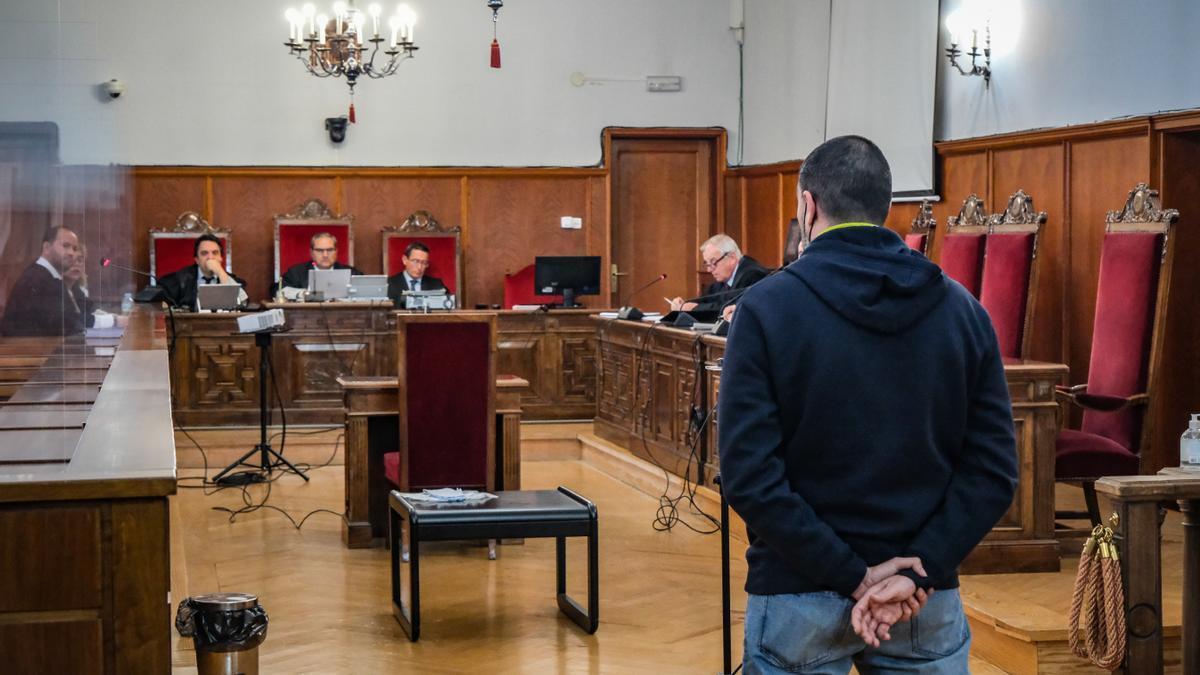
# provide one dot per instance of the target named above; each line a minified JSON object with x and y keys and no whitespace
{"x":863,"y":414}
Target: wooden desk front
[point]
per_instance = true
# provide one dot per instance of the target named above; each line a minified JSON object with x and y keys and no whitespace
{"x":85,"y":553}
{"x":372,"y":428}
{"x":649,"y":377}
{"x":215,"y":371}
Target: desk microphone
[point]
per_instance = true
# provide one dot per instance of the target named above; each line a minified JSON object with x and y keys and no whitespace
{"x":147,"y":294}
{"x":633,"y":313}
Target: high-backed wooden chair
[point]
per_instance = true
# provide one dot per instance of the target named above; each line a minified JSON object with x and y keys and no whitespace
{"x":294,"y":232}
{"x":1131,"y":303}
{"x":519,"y":290}
{"x":1009,"y":272}
{"x":962,"y":247}
{"x":921,"y":232}
{"x":172,"y":249}
{"x":447,"y":377}
{"x":445,"y":249}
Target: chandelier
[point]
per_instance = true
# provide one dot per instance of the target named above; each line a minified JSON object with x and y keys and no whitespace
{"x":348,"y":44}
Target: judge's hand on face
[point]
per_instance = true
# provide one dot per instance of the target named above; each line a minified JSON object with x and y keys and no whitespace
{"x":74,"y":274}
{"x":215,"y":266}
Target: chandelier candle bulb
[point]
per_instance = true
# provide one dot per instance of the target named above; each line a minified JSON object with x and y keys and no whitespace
{"x":375,"y":11}
{"x":322,"y":22}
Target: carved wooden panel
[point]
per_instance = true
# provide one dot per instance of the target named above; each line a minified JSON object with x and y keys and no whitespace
{"x":579,"y":368}
{"x":315,"y":367}
{"x":224,"y":372}
{"x":521,"y":355}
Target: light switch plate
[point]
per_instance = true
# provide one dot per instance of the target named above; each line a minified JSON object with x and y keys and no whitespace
{"x":571,"y":223}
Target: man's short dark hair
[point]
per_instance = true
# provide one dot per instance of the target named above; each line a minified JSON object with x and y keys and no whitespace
{"x":207,"y":237}
{"x":312,"y":241}
{"x":415,"y":246}
{"x":51,"y":233}
{"x":850,"y":180}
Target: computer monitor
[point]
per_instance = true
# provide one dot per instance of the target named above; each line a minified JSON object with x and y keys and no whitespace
{"x":331,"y":284}
{"x":569,"y":275}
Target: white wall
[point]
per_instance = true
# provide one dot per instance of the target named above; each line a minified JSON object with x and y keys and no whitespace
{"x":1077,"y":61}
{"x":211,"y":83}
{"x":786,"y":68}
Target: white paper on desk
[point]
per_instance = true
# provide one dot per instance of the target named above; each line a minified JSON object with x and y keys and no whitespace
{"x":608,"y":315}
{"x":652,"y":317}
{"x":448,"y":496}
{"x":527,"y":308}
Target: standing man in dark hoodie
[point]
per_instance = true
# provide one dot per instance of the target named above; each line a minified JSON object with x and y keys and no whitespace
{"x":864,"y":417}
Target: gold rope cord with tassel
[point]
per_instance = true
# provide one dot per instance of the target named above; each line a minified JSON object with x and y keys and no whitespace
{"x":1099,"y":600}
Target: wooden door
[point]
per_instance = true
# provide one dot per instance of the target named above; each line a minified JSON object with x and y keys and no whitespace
{"x":664,"y":204}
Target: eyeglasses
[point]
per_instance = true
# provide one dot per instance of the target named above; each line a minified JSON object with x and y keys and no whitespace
{"x":324,"y":250}
{"x":419,"y":263}
{"x":713,"y":264}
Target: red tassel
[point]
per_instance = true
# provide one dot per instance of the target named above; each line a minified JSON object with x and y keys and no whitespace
{"x":351,"y":113}
{"x":495,"y":53}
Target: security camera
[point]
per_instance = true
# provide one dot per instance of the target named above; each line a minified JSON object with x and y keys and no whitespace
{"x":114,"y":88}
{"x":336,"y":126}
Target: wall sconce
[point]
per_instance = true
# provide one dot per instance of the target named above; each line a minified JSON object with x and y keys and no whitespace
{"x":959,"y":24}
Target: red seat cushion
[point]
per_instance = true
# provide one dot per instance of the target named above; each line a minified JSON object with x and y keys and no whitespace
{"x":1125,"y":298}
{"x":916,"y":242}
{"x":1080,"y":455}
{"x":962,"y":260}
{"x":519,"y":290}
{"x":391,"y":467}
{"x":1005,"y":287}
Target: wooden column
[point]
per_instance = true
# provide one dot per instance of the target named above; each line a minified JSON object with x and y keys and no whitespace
{"x":1141,"y":564}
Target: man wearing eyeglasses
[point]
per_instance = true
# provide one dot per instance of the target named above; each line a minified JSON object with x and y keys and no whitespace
{"x":413,"y":277}
{"x":732,"y":273}
{"x":324,"y":252}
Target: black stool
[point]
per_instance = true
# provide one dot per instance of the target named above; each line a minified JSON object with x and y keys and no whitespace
{"x":513,"y":514}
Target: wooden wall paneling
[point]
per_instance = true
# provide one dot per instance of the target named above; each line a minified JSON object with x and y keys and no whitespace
{"x":69,"y":646}
{"x":513,"y":219}
{"x":961,"y":175}
{"x":140,"y":586}
{"x":1039,"y":171}
{"x":248,"y":204}
{"x":764,"y":208}
{"x":1177,"y":394}
{"x":900,"y":217}
{"x":735,"y":222}
{"x":57,"y":566}
{"x":157,"y":202}
{"x":1100,"y":174}
{"x":377,"y":202}
{"x":596,"y":225}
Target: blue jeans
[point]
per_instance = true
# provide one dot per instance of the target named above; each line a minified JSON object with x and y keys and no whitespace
{"x":811,"y":633}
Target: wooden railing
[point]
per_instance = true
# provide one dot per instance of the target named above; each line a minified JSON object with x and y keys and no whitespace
{"x":1138,"y":501}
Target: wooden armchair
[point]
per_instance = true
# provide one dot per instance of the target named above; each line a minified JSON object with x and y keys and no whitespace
{"x":1131,"y":302}
{"x":172,"y":249}
{"x":445,"y":249}
{"x":1009,"y":273}
{"x":921,"y":233}
{"x":447,"y":396}
{"x":962,"y":248}
{"x":294,"y":232}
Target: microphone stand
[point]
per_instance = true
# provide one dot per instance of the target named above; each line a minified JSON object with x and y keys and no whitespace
{"x":633,"y":313}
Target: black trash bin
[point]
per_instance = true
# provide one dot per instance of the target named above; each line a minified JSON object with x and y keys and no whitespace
{"x":227,"y":629}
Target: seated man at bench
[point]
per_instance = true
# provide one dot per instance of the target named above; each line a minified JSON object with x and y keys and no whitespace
{"x":180,"y":286}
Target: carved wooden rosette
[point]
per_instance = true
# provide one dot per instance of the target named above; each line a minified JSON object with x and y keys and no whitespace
{"x":972,"y":218}
{"x":316,"y":212}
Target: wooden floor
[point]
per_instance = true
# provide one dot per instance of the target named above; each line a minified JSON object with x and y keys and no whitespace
{"x":330,"y":607}
{"x":660,"y":591}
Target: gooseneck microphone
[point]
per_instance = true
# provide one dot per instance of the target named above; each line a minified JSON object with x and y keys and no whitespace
{"x":633,"y":313}
{"x":108,"y":262}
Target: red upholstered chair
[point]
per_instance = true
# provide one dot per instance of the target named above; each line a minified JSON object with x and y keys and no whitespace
{"x":447,"y":377}
{"x":1131,"y":300}
{"x":1009,"y":272}
{"x":294,"y":232}
{"x":173,"y":249}
{"x":962,"y":248}
{"x":923,"y":225}
{"x":519,"y":290}
{"x":445,"y":250}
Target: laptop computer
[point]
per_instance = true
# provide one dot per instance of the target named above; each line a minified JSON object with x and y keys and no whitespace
{"x":217,"y":296}
{"x":331,"y":284}
{"x":368,"y":287}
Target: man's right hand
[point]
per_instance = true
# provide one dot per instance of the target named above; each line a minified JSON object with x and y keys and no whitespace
{"x":213,"y":266}
{"x":884,"y":570}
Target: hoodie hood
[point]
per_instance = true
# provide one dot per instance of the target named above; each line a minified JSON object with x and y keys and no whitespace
{"x":871,"y":277}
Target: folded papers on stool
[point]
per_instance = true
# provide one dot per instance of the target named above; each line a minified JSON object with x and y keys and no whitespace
{"x":448,"y":495}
